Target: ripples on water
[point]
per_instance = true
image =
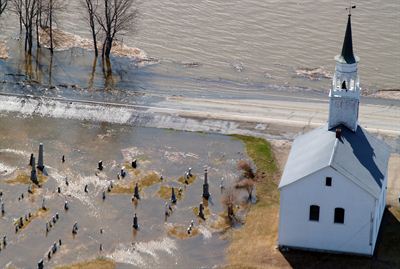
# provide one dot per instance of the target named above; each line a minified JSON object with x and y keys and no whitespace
{"x":255,"y":41}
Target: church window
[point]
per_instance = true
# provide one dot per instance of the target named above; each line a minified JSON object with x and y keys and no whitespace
{"x":339,"y":215}
{"x":314,"y":213}
{"x":328,"y":181}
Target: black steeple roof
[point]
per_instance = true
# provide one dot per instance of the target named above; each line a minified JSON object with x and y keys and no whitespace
{"x":347,"y":50}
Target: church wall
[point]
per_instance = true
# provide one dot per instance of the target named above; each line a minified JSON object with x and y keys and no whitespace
{"x":379,"y":211}
{"x":296,"y":230}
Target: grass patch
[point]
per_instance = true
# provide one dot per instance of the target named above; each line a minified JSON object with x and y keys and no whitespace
{"x":165,"y":193}
{"x":128,"y":188}
{"x":250,"y":244}
{"x":99,"y":263}
{"x":206,"y":211}
{"x":131,"y":170}
{"x":180,"y":232}
{"x":39,"y":213}
{"x":24,"y":178}
{"x":190,"y":180}
{"x":149,"y":180}
{"x":222,"y":223}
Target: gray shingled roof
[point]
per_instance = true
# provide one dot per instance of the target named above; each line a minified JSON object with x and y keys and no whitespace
{"x":359,"y":156}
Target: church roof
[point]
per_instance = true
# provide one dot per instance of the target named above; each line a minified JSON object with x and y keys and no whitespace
{"x":359,"y":156}
{"x":347,"y":50}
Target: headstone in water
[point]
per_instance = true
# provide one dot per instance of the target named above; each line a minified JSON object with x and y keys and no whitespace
{"x":40,"y":264}
{"x":166,"y":209}
{"x":33,"y":172}
{"x":54,"y":248}
{"x":190,"y":172}
{"x":173,"y":197}
{"x":201,"y":211}
{"x":135,"y":222}
{"x":123,"y":173}
{"x":134,"y":163}
{"x":44,"y":204}
{"x":31,"y":163}
{"x":40,"y":160}
{"x":136,"y":192}
{"x":75,"y":228}
{"x":206,"y":193}
{"x":100,"y":165}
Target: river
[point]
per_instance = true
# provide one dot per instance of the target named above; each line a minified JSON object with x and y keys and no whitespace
{"x":252,"y":44}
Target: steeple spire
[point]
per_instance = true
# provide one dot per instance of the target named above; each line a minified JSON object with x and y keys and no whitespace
{"x":344,"y":96}
{"x":347,"y":49}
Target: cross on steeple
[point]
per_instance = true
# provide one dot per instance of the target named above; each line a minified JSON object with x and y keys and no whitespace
{"x":350,"y":8}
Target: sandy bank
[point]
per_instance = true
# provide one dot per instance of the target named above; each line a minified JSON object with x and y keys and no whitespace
{"x":387,"y":94}
{"x":64,"y":41}
{"x":3,"y":50}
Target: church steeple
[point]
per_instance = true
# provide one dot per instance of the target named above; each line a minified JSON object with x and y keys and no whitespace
{"x":344,"y":96}
{"x":347,"y":49}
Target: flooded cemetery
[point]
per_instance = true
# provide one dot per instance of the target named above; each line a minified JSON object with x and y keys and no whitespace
{"x":74,"y":191}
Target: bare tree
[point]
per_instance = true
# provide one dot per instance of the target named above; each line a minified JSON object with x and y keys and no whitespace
{"x":115,"y":17}
{"x":26,"y":11}
{"x":229,"y":201}
{"x":246,"y":169}
{"x":17,"y":9}
{"x":91,"y":9}
{"x":3,"y":5}
{"x":50,"y":8}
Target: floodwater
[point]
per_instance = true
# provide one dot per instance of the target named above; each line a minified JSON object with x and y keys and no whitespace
{"x":168,"y":153}
{"x":239,"y":45}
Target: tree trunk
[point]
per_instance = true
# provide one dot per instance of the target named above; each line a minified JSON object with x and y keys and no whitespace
{"x":96,"y":51}
{"x":108,"y":46}
{"x":51,"y":26}
{"x":37,"y":32}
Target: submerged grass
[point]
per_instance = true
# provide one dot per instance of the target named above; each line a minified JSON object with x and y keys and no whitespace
{"x":39,"y":213}
{"x":24,"y":178}
{"x":190,"y":180}
{"x":144,"y":182}
{"x":165,"y":193}
{"x":99,"y":263}
{"x":180,"y":232}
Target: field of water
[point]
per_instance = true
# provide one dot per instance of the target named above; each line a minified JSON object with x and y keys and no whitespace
{"x":237,"y":45}
{"x":159,"y":152}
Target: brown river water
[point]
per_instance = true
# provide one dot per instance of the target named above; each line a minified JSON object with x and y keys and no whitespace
{"x":250,"y":44}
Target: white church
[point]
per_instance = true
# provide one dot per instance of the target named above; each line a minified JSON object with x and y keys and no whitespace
{"x":333,"y":188}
